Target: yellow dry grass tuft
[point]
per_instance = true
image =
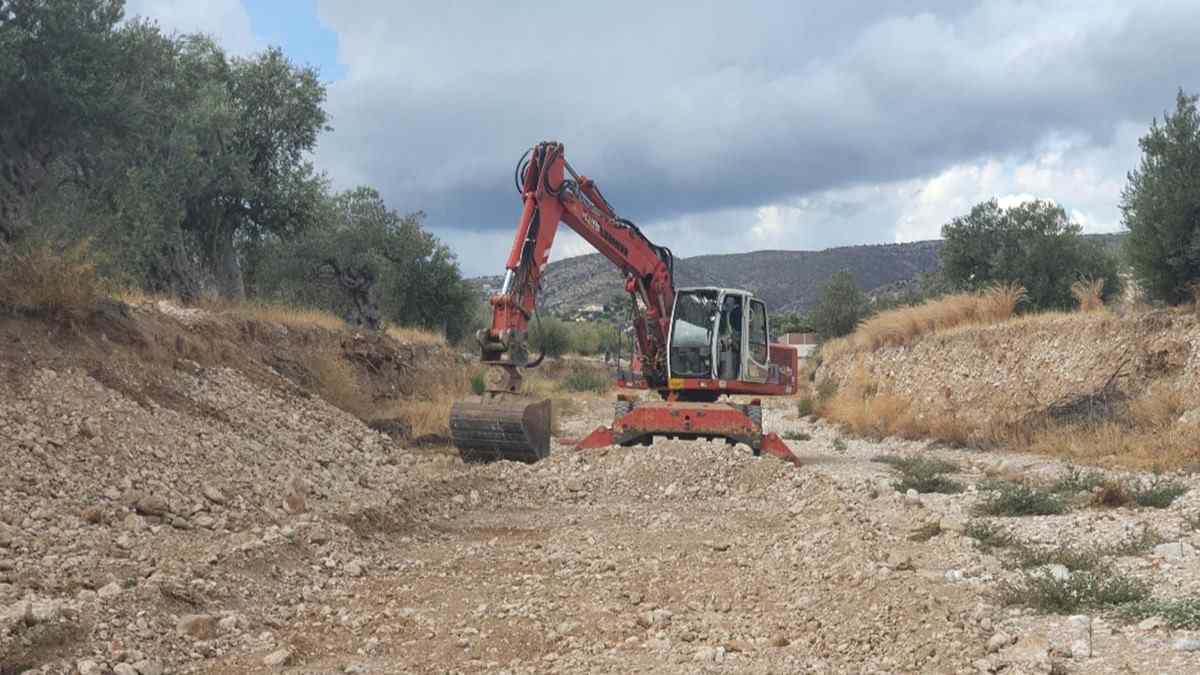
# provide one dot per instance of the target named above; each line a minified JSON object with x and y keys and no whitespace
{"x":903,"y":326}
{"x":50,"y":277}
{"x":415,"y":336}
{"x":1088,"y":294}
{"x":338,"y":384}
{"x":288,"y":315}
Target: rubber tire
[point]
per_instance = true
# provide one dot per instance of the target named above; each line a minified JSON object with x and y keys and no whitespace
{"x":754,"y":412}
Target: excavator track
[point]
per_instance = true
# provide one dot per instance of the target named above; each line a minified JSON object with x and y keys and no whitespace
{"x":501,"y":426}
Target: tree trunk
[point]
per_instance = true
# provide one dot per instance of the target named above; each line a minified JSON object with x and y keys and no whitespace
{"x":225,"y":267}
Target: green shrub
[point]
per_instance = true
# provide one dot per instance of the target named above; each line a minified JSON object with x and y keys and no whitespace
{"x":1179,"y":613}
{"x":478,"y":384}
{"x":988,"y":536}
{"x":587,"y":379}
{"x":1017,"y":499}
{"x":923,"y":474}
{"x":1077,"y":480}
{"x":1098,"y":588}
{"x":806,"y":407}
{"x":826,"y":389}
{"x":1158,"y":494}
{"x":549,"y":336}
{"x":797,"y":436}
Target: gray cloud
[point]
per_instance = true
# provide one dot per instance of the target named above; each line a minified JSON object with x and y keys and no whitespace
{"x":694,"y":119}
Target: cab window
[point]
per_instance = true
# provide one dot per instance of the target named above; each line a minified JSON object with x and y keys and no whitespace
{"x":758,"y":331}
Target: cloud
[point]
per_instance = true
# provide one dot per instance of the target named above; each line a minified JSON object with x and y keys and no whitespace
{"x":717,"y":122}
{"x":225,"y":20}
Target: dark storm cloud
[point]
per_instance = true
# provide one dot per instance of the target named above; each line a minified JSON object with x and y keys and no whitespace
{"x":680,"y":109}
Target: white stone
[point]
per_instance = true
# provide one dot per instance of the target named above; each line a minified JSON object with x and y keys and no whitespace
{"x":998,"y":641}
{"x":1080,"y":626}
{"x":148,"y":667}
{"x":1152,"y":623}
{"x":110,"y":590}
{"x":1056,"y":571}
{"x":1186,"y":645}
{"x":1176,"y":550}
{"x":278,"y":657}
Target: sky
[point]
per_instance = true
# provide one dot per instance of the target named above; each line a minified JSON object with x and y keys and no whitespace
{"x":728,"y":127}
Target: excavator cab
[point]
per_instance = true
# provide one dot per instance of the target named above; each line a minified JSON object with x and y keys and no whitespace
{"x":718,"y":334}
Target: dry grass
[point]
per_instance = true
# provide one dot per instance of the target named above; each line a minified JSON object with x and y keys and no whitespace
{"x":415,"y":336}
{"x":1147,"y":436}
{"x":288,"y":315}
{"x":428,"y":414}
{"x":52,"y":278}
{"x":337,"y":383}
{"x":1088,"y":294}
{"x":862,"y":409}
{"x":903,"y":326}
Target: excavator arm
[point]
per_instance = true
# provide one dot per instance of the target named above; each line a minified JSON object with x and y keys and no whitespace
{"x":552,"y":192}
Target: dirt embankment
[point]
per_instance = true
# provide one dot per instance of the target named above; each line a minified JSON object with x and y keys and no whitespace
{"x":1028,"y":365}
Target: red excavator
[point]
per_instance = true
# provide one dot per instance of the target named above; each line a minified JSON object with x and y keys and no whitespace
{"x":693,"y":345}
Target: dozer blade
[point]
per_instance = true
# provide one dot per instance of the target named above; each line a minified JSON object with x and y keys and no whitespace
{"x":491,"y":427}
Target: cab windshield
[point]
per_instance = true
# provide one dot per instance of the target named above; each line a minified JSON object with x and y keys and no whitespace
{"x":692,"y":330}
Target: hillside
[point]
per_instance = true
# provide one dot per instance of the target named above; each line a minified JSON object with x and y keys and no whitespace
{"x":787,"y":280}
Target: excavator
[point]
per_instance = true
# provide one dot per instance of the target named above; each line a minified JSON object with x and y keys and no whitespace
{"x":693,"y":346}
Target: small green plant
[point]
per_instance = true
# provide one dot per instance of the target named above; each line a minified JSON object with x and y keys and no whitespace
{"x":1018,"y":499}
{"x":917,"y":465}
{"x":1133,"y":545}
{"x":1077,"y":480}
{"x":988,"y":536}
{"x":1179,"y":613}
{"x":1098,"y":588}
{"x":806,"y":407}
{"x":926,"y":532}
{"x":922,"y":474}
{"x":587,"y":379}
{"x":839,"y":445}
{"x":826,"y":389}
{"x":478,"y":384}
{"x":797,"y":436}
{"x":1159,"y":494}
{"x":1072,"y":557}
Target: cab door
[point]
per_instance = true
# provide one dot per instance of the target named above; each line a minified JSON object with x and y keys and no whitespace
{"x":755,"y":351}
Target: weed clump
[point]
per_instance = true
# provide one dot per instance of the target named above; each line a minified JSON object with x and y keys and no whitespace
{"x":926,"y":532}
{"x":1077,"y":480}
{"x":50,"y":278}
{"x":806,"y":407}
{"x":587,"y":379}
{"x":1101,"y":587}
{"x":1158,"y":494}
{"x":1018,"y":499}
{"x":1179,"y":613}
{"x":922,"y":474}
{"x":988,"y":536}
{"x":797,"y":436}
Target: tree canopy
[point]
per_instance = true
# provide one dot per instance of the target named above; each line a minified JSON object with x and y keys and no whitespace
{"x":1160,"y":205}
{"x":188,"y":169}
{"x":1034,"y":244}
{"x":841,"y":306}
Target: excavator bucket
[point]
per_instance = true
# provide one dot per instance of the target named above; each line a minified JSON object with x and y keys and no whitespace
{"x":501,"y":426}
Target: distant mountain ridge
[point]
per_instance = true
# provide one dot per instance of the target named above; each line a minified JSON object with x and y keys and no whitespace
{"x":788,"y":281}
